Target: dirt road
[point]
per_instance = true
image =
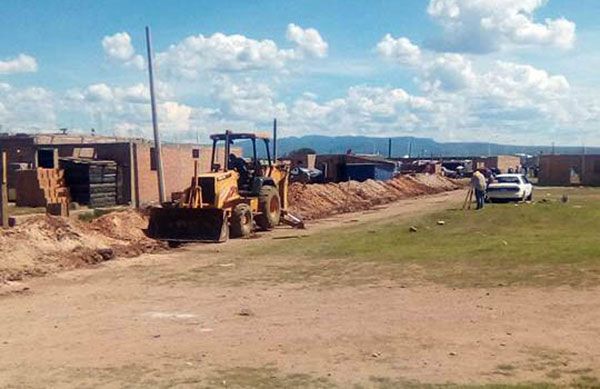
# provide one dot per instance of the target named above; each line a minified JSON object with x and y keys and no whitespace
{"x":197,"y":317}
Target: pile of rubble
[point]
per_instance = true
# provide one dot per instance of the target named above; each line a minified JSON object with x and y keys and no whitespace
{"x":315,"y":201}
{"x":45,"y":244}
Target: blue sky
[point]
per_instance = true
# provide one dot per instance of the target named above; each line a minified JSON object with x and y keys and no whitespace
{"x":514,"y":71}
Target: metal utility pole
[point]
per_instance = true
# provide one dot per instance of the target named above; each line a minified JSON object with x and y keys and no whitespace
{"x":157,"y":148}
{"x":275,"y":139}
{"x":4,"y":192}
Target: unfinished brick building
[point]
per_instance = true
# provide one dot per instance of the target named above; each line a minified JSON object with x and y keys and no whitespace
{"x":134,"y":158}
{"x":501,"y":162}
{"x":564,"y":170}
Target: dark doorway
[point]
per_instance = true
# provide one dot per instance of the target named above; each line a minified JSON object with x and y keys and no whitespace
{"x":47,"y":158}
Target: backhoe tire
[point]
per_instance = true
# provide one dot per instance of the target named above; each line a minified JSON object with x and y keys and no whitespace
{"x":241,"y":221}
{"x":269,"y":206}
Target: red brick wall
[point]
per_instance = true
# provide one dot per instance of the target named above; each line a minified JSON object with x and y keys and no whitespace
{"x":502,"y":162}
{"x":591,"y":170}
{"x":178,"y":168}
{"x":556,"y":169}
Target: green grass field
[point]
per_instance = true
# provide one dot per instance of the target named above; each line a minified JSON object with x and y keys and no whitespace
{"x":545,"y":243}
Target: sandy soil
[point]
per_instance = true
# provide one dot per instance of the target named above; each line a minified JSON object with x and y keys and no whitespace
{"x":46,"y":244}
{"x":180,"y":319}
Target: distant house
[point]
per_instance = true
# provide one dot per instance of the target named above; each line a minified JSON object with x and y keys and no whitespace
{"x":564,"y":170}
{"x":500,"y":162}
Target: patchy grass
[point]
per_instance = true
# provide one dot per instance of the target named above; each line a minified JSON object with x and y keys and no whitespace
{"x":19,"y":211}
{"x":388,"y":383}
{"x":547,"y":243}
{"x":94,"y":214}
{"x":245,"y":377}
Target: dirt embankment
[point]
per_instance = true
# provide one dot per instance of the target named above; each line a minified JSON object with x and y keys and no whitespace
{"x":314,"y":201}
{"x":45,"y":244}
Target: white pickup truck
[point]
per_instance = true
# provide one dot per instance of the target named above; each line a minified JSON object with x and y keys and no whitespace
{"x":508,"y":187}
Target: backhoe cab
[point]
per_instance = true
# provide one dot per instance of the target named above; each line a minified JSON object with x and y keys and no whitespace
{"x":230,"y":200}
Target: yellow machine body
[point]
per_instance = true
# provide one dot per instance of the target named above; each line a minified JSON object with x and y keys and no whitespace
{"x":203,"y":210}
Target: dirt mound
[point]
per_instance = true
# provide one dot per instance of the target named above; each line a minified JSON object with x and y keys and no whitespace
{"x":126,"y":225}
{"x":45,"y":244}
{"x":315,"y":201}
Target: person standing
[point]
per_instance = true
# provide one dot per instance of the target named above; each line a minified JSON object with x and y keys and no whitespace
{"x":478,"y":183}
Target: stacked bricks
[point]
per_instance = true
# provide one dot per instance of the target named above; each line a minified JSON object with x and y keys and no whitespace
{"x":92,"y":182}
{"x":40,"y":187}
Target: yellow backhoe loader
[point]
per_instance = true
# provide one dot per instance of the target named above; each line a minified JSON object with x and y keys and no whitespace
{"x":230,"y":200}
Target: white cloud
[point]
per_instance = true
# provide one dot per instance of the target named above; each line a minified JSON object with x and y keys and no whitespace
{"x":237,"y":53}
{"x":401,"y":50}
{"x":174,"y":117}
{"x":472,"y":96}
{"x":247,"y":100}
{"x":125,"y":110}
{"x":98,"y":93}
{"x":365,"y":110}
{"x":309,"y":41}
{"x":482,"y":26}
{"x":450,"y":72}
{"x":138,"y":93}
{"x":219,"y":52}
{"x":23,"y":109}
{"x":23,"y":63}
{"x":118,"y":47}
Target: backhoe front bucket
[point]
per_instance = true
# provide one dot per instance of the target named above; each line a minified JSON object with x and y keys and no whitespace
{"x":188,"y":224}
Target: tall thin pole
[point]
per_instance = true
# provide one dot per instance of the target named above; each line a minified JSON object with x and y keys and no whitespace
{"x":390,"y":148}
{"x":157,"y":148}
{"x":274,"y":140}
{"x":4,"y":192}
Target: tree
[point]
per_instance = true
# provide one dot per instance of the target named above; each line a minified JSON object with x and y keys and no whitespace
{"x":302,"y":151}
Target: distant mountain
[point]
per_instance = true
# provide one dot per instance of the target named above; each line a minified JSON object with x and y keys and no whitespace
{"x":416,"y":147}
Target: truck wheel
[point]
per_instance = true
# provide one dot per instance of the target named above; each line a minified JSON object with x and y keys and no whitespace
{"x":530,"y":197}
{"x":241,"y":221}
{"x":269,"y":206}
